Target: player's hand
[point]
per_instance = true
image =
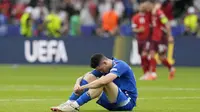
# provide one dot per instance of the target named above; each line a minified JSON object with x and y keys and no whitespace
{"x":77,"y":89}
{"x":171,"y":39}
{"x":141,"y":29}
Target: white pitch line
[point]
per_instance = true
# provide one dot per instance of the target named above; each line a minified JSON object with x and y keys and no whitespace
{"x":39,"y":89}
{"x":27,"y":100}
{"x":49,"y":88}
{"x":147,"y":98}
{"x":169,"y":98}
{"x":168,"y":89}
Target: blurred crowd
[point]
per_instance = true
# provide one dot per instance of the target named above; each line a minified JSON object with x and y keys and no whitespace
{"x":56,"y":18}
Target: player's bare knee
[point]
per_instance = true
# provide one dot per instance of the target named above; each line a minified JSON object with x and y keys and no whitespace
{"x":144,"y":53}
{"x":94,"y":93}
{"x":152,"y":53}
{"x":162,"y":57}
{"x":89,"y":77}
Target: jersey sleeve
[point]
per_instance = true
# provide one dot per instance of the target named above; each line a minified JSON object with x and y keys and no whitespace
{"x":162,"y":16}
{"x":134,"y":22}
{"x":119,"y":69}
{"x":96,"y":73}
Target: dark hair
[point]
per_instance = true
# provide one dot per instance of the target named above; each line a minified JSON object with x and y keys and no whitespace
{"x":96,"y":59}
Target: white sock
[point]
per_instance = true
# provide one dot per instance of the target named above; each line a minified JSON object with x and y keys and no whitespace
{"x":76,"y":104}
{"x":69,"y":101}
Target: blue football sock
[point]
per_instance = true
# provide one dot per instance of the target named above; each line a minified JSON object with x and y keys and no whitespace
{"x":84,"y":98}
{"x":74,"y":96}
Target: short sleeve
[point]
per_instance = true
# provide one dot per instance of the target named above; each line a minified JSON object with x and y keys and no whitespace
{"x":119,"y":69}
{"x":160,"y":13}
{"x":162,"y":17}
{"x":96,"y":73}
{"x":134,"y":25}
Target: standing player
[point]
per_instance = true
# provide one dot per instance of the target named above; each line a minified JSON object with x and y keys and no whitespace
{"x":161,"y":35}
{"x":141,"y":26}
{"x":112,"y":80}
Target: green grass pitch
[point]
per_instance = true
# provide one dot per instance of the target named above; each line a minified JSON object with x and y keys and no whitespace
{"x":37,"y":88}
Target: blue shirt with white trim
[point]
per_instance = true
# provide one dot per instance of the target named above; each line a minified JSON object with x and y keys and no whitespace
{"x":125,"y":77}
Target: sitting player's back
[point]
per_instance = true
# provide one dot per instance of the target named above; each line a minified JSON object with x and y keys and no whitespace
{"x":126,"y":79}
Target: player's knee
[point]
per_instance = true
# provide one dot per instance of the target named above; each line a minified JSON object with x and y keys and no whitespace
{"x":110,"y":85}
{"x":94,"y":93}
{"x":162,"y":57}
{"x":89,"y":77}
{"x":144,"y":53}
{"x":152,"y":53}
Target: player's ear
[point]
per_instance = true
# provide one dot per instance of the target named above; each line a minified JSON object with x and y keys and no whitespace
{"x":104,"y":62}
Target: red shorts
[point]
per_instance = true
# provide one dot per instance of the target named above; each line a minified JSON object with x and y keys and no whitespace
{"x":143,"y":46}
{"x":159,"y":46}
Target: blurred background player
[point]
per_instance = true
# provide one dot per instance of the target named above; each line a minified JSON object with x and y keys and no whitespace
{"x":26,"y":23}
{"x":191,"y":22}
{"x":161,"y":35}
{"x":53,"y":24}
{"x":141,"y":26}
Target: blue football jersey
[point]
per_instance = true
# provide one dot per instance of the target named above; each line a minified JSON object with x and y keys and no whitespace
{"x":125,"y":77}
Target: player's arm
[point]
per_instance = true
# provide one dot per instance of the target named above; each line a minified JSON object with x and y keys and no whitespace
{"x":164,"y":20}
{"x":78,"y":81}
{"x":168,"y":31}
{"x":77,"y":85}
{"x":100,"y":82}
{"x":138,"y":30}
{"x":135,"y":27}
{"x":115,"y":72}
{"x":89,"y":77}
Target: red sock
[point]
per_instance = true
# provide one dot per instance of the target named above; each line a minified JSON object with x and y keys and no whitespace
{"x":145,"y":64}
{"x":166,"y":63}
{"x":152,"y":63}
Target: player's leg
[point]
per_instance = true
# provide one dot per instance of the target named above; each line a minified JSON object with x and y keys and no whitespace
{"x":84,"y":98}
{"x":144,"y":64}
{"x":152,"y":60}
{"x":92,"y":94}
{"x":162,"y":56}
{"x":142,"y":50}
{"x":165,"y":62}
{"x":114,"y":99}
{"x":86,"y":79}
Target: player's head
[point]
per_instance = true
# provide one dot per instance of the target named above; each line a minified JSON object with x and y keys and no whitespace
{"x":149,"y":5}
{"x":142,"y":7}
{"x":100,"y":63}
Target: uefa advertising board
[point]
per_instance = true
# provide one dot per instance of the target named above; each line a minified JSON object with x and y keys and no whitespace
{"x":53,"y":51}
{"x":78,"y":50}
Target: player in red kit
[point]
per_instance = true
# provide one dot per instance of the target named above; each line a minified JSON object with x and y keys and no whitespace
{"x":161,"y":35}
{"x":141,"y":26}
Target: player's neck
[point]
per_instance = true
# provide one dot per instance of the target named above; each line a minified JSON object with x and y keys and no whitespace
{"x":110,"y":63}
{"x":142,"y":13}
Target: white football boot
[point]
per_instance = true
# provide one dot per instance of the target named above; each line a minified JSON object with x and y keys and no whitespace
{"x":145,"y":76}
{"x":69,"y":108}
{"x":59,"y":108}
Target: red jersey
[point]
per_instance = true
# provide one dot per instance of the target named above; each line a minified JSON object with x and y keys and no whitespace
{"x":158,"y":26}
{"x":142,"y":20}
